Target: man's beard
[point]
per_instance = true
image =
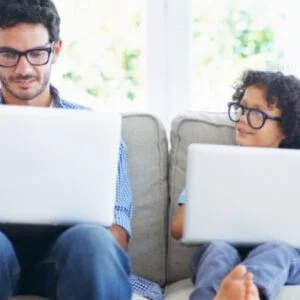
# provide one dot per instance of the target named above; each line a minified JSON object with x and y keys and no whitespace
{"x":24,"y":96}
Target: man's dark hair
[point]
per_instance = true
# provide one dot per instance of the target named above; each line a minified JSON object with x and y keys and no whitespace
{"x":281,"y":90}
{"x":13,"y":12}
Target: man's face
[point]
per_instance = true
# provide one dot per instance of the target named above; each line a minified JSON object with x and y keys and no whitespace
{"x":25,"y":82}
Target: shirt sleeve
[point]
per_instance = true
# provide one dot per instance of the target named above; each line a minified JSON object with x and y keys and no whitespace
{"x":182,"y":197}
{"x":123,"y":206}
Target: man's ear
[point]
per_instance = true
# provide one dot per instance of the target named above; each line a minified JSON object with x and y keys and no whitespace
{"x":56,"y":51}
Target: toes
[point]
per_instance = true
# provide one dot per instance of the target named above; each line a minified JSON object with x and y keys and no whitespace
{"x":233,"y":286}
{"x":238,"y":272}
{"x":251,"y":291}
{"x":248,"y":279}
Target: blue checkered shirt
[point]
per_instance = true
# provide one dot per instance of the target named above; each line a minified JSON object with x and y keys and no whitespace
{"x":123,"y":206}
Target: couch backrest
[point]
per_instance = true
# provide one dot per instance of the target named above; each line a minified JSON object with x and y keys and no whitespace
{"x":147,"y":149}
{"x":187,"y":128}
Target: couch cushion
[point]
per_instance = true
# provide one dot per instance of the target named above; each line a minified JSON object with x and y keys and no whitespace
{"x":147,"y":148}
{"x":187,"y":128}
{"x":179,"y":290}
{"x":183,"y":288}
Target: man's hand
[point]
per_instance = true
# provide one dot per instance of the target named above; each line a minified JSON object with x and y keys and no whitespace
{"x":120,"y":235}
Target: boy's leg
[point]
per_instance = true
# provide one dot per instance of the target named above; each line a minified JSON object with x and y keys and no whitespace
{"x":209,"y":268}
{"x":85,"y":262}
{"x":9,"y":268}
{"x":273,"y":265}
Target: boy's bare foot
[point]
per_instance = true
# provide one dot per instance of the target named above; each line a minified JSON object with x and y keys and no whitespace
{"x":251,"y":289}
{"x":233,"y":286}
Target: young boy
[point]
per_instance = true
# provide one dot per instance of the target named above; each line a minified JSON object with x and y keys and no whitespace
{"x":266,"y":109}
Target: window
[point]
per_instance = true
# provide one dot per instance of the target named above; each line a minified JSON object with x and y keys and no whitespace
{"x":168,"y":56}
{"x":231,"y":36}
{"x":102,"y":62}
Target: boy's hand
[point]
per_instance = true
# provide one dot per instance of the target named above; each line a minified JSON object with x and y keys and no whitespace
{"x":177,"y":223}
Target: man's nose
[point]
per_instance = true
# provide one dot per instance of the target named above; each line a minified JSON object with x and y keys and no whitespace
{"x":23,"y":66}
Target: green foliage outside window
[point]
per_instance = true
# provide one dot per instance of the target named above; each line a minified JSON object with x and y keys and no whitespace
{"x":103,"y":56}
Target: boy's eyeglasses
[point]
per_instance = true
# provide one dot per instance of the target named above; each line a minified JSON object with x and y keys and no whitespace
{"x":255,"y":118}
{"x":36,"y":57}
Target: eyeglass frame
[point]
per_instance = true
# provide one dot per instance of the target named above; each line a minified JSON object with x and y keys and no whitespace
{"x":49,"y":49}
{"x":249,"y":110}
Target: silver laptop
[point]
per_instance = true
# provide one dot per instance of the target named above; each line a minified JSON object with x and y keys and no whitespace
{"x":58,"y":166}
{"x":242,"y":195}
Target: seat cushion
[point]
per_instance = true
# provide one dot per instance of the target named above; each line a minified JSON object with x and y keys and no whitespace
{"x":147,"y":149}
{"x":137,"y":297}
{"x":188,"y":128}
{"x":181,"y":290}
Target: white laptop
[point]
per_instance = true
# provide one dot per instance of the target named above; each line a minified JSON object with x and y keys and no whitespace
{"x":58,"y":166}
{"x":242,"y":195}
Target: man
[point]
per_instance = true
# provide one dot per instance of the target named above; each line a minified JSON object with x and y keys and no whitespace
{"x":85,"y":261}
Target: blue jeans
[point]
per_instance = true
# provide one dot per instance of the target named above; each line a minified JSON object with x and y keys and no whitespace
{"x":273,"y":265}
{"x":84,"y":262}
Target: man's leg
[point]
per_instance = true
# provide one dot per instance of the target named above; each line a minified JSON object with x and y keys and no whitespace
{"x":85,"y":262}
{"x":210,"y":266}
{"x":9,"y":268}
{"x":273,"y":265}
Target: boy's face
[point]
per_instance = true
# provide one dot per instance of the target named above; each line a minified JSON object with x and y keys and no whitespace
{"x":25,"y":82}
{"x":271,"y":134}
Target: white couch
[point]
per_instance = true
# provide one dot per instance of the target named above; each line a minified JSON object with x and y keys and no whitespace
{"x":158,"y":175}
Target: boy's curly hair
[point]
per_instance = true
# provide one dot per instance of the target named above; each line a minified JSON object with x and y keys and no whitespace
{"x":281,"y":90}
{"x":13,"y":12}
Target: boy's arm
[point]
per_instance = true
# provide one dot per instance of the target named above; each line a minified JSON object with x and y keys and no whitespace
{"x":177,"y":223}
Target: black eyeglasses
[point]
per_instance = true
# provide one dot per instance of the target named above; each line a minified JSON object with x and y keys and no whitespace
{"x":255,"y":117}
{"x":36,"y":57}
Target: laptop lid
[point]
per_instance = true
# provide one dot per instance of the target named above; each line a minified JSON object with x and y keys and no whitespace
{"x":243,"y":195}
{"x":58,"y":166}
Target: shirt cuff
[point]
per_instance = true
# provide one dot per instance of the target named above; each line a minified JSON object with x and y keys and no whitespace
{"x":182,"y":198}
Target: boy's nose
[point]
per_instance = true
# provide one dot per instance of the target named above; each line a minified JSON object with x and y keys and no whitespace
{"x":243,"y":118}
